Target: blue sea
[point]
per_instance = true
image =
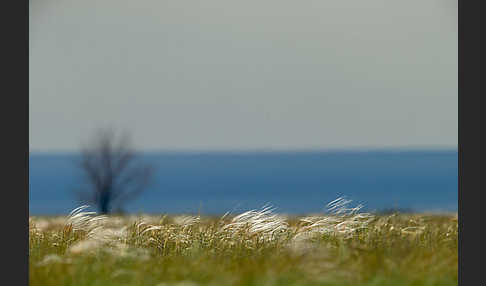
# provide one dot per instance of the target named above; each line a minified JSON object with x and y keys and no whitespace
{"x":292,"y":182}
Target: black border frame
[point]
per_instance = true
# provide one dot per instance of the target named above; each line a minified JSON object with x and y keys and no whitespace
{"x":470,"y":153}
{"x":14,"y":22}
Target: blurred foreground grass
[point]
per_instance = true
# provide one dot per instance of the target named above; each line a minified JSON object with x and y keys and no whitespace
{"x":255,"y":248}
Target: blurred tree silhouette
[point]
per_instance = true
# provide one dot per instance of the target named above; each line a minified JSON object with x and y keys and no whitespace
{"x":112,"y":171}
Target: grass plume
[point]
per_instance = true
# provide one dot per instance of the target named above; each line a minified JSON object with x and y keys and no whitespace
{"x":342,"y":246}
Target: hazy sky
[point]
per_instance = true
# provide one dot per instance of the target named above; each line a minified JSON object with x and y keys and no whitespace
{"x":253,"y":74}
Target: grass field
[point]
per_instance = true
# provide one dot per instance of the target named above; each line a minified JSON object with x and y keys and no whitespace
{"x":260,"y":247}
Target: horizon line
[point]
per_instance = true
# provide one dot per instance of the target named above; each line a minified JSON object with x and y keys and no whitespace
{"x":272,"y":150}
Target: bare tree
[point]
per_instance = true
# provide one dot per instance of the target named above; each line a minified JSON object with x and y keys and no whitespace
{"x":112,"y":171}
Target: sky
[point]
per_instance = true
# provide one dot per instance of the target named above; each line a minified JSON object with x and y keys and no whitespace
{"x":244,"y":75}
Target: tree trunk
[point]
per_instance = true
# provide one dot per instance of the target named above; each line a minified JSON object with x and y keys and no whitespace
{"x":105,"y":201}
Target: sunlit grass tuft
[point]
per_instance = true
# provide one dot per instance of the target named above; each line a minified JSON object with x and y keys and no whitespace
{"x":342,"y":246}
